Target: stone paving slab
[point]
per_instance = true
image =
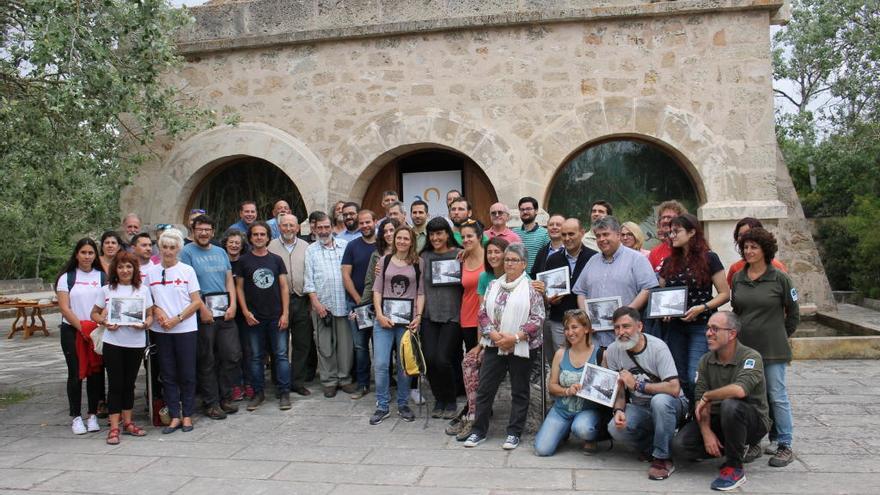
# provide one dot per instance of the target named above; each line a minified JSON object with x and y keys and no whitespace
{"x":325,"y":446}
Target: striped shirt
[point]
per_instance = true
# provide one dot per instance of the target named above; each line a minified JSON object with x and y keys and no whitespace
{"x":324,"y":275}
{"x":533,"y":240}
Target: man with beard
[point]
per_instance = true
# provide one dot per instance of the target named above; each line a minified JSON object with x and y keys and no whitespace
{"x":247,"y":215}
{"x":355,"y":262}
{"x":264,"y":299}
{"x":665,"y":213}
{"x":280,"y":207}
{"x":219,"y":350}
{"x":460,"y":212}
{"x":533,"y":236}
{"x":418,"y":213}
{"x":292,"y":250}
{"x":619,"y":272}
{"x":350,"y":221}
{"x":131,"y":226}
{"x":649,"y":401}
{"x":323,"y":283}
{"x":142,"y":248}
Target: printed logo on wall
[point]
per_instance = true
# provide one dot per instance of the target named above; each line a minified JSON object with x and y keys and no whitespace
{"x":430,"y":187}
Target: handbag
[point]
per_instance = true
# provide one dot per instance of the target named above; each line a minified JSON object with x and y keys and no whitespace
{"x":97,"y":337}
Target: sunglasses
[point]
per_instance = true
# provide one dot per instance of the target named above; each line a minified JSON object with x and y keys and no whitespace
{"x":197,"y":210}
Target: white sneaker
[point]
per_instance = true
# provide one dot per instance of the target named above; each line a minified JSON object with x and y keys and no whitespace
{"x":92,"y":424}
{"x":416,"y":397}
{"x":77,"y":426}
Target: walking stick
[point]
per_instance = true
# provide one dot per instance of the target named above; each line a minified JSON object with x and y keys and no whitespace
{"x":148,"y":362}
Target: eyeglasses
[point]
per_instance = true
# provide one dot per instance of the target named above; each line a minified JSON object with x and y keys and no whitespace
{"x":511,"y":261}
{"x":204,"y":230}
{"x":497,"y":213}
{"x":716,"y":329}
{"x":627,"y":234}
{"x":197,"y":210}
{"x":675,"y":232}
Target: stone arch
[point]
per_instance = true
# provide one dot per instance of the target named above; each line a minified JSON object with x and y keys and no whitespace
{"x":198,"y":156}
{"x":374,"y":144}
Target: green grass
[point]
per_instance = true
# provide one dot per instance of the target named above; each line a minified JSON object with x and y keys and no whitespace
{"x":13,"y":396}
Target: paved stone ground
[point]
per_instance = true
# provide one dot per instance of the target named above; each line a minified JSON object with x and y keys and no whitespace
{"x":326,"y":446}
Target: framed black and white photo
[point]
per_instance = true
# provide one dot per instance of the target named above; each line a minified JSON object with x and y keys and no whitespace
{"x":667,"y":302}
{"x":365,"y":315}
{"x":601,"y":309}
{"x":218,"y":303}
{"x":399,"y":311}
{"x":599,"y":385}
{"x":557,"y":282}
{"x":126,"y":310}
{"x":445,"y":272}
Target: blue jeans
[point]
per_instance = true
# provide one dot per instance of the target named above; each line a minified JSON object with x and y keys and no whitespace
{"x":783,"y":424}
{"x":362,"y":363}
{"x":687,"y":343}
{"x":653,"y":425}
{"x":584,"y":425}
{"x":267,"y":330}
{"x":383,"y":340}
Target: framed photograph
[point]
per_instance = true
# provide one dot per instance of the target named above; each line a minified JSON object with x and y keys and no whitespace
{"x":445,"y":272}
{"x":126,"y":310}
{"x":365,"y":314}
{"x":556,"y":281}
{"x":218,"y":303}
{"x":600,"y":310}
{"x":400,"y":311}
{"x":668,"y":301}
{"x":599,"y":385}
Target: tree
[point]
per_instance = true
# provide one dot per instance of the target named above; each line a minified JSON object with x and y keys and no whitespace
{"x":82,"y":98}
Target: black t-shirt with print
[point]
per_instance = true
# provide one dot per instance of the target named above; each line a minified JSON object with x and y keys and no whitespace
{"x":697,"y":294}
{"x":261,"y":287}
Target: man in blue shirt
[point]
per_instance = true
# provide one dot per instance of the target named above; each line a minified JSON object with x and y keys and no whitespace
{"x":247,"y":214}
{"x":280,"y":207}
{"x":219,"y":350}
{"x":350,"y":221}
{"x":355,"y":261}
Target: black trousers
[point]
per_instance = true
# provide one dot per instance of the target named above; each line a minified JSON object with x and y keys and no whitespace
{"x":94,"y":382}
{"x":177,"y":355}
{"x":441,"y":343}
{"x":122,"y":364}
{"x":303,"y":356}
{"x":219,"y":360}
{"x":738,"y":426}
{"x":492,"y":373}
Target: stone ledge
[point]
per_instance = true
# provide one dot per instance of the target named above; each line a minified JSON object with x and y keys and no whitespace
{"x":735,"y":210}
{"x":263,"y":23}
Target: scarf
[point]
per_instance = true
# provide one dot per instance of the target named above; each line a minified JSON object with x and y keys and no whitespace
{"x":515,"y":312}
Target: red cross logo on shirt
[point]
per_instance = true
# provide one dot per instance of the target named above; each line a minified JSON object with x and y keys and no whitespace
{"x":94,"y":284}
{"x":178,"y":281}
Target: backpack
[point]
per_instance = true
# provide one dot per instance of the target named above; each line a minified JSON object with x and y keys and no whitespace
{"x":412,"y":360}
{"x":71,"y":279}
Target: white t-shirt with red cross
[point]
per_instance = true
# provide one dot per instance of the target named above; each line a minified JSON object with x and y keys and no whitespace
{"x":85,"y":291}
{"x":125,"y":335}
{"x":174,"y":294}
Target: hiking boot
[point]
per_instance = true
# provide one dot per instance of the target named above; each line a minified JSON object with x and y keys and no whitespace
{"x":237,"y":394}
{"x":782,"y":457}
{"x":349,"y":388}
{"x":360,"y":393}
{"x":284,"y":401}
{"x":660,"y":469}
{"x":450,"y":411}
{"x":728,"y":479}
{"x":379,"y":416}
{"x":753,"y":453}
{"x":255,"y":402}
{"x":454,"y":429}
{"x":215,"y":412}
{"x":406,"y":414}
{"x":437,"y":412}
{"x":466,"y":426}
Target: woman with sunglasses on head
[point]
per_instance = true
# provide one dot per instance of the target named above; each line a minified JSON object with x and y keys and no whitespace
{"x":741,"y":228}
{"x":694,"y":266}
{"x":111,"y":243}
{"x":767,"y":303}
{"x":77,"y":288}
{"x":123,"y":347}
{"x":570,"y":413}
{"x":175,"y":291}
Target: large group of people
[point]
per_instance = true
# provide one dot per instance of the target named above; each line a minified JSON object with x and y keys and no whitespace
{"x":222,"y":307}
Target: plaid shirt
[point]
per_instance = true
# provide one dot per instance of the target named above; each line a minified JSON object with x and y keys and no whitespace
{"x":324,"y":271}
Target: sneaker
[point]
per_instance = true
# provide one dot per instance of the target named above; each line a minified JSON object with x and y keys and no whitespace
{"x":782,"y":457}
{"x":284,"y":401}
{"x":228,"y":407}
{"x":248,"y":392}
{"x":237,"y":394}
{"x":214,"y":412}
{"x":92,"y":424}
{"x":416,"y":397}
{"x":771,"y":448}
{"x":660,"y":469}
{"x":255,"y":402}
{"x":360,"y":393}
{"x":379,"y":416}
{"x":728,"y":479}
{"x":437,"y":412}
{"x":474,"y":439}
{"x":406,"y":414}
{"x":753,"y":453}
{"x":466,"y":426}
{"x":451,"y":411}
{"x":510,"y":443}
{"x":78,"y":427}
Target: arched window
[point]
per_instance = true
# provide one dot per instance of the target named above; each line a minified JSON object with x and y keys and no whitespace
{"x":634,"y":176}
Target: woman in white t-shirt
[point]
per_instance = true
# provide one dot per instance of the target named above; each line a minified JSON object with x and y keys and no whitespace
{"x":175,"y":291}
{"x":77,"y":288}
{"x":123,"y":343}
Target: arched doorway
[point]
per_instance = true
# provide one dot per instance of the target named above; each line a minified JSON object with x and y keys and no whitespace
{"x":405,"y":173}
{"x":241,"y":178}
{"x":633,"y":175}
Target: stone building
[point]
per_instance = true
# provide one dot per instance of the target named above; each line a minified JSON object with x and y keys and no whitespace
{"x":346,"y":99}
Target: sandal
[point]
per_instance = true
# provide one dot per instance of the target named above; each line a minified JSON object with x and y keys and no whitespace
{"x":113,"y":436}
{"x":133,"y":430}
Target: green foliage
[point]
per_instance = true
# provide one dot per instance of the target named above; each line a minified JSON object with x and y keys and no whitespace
{"x":81,"y":99}
{"x":863,"y":225}
{"x":837,"y":248}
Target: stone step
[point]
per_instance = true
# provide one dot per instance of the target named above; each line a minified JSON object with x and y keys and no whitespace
{"x":854,"y":320}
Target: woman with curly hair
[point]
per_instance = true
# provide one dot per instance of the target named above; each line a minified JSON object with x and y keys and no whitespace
{"x":741,"y":228}
{"x":767,"y":303}
{"x":694,"y":266}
